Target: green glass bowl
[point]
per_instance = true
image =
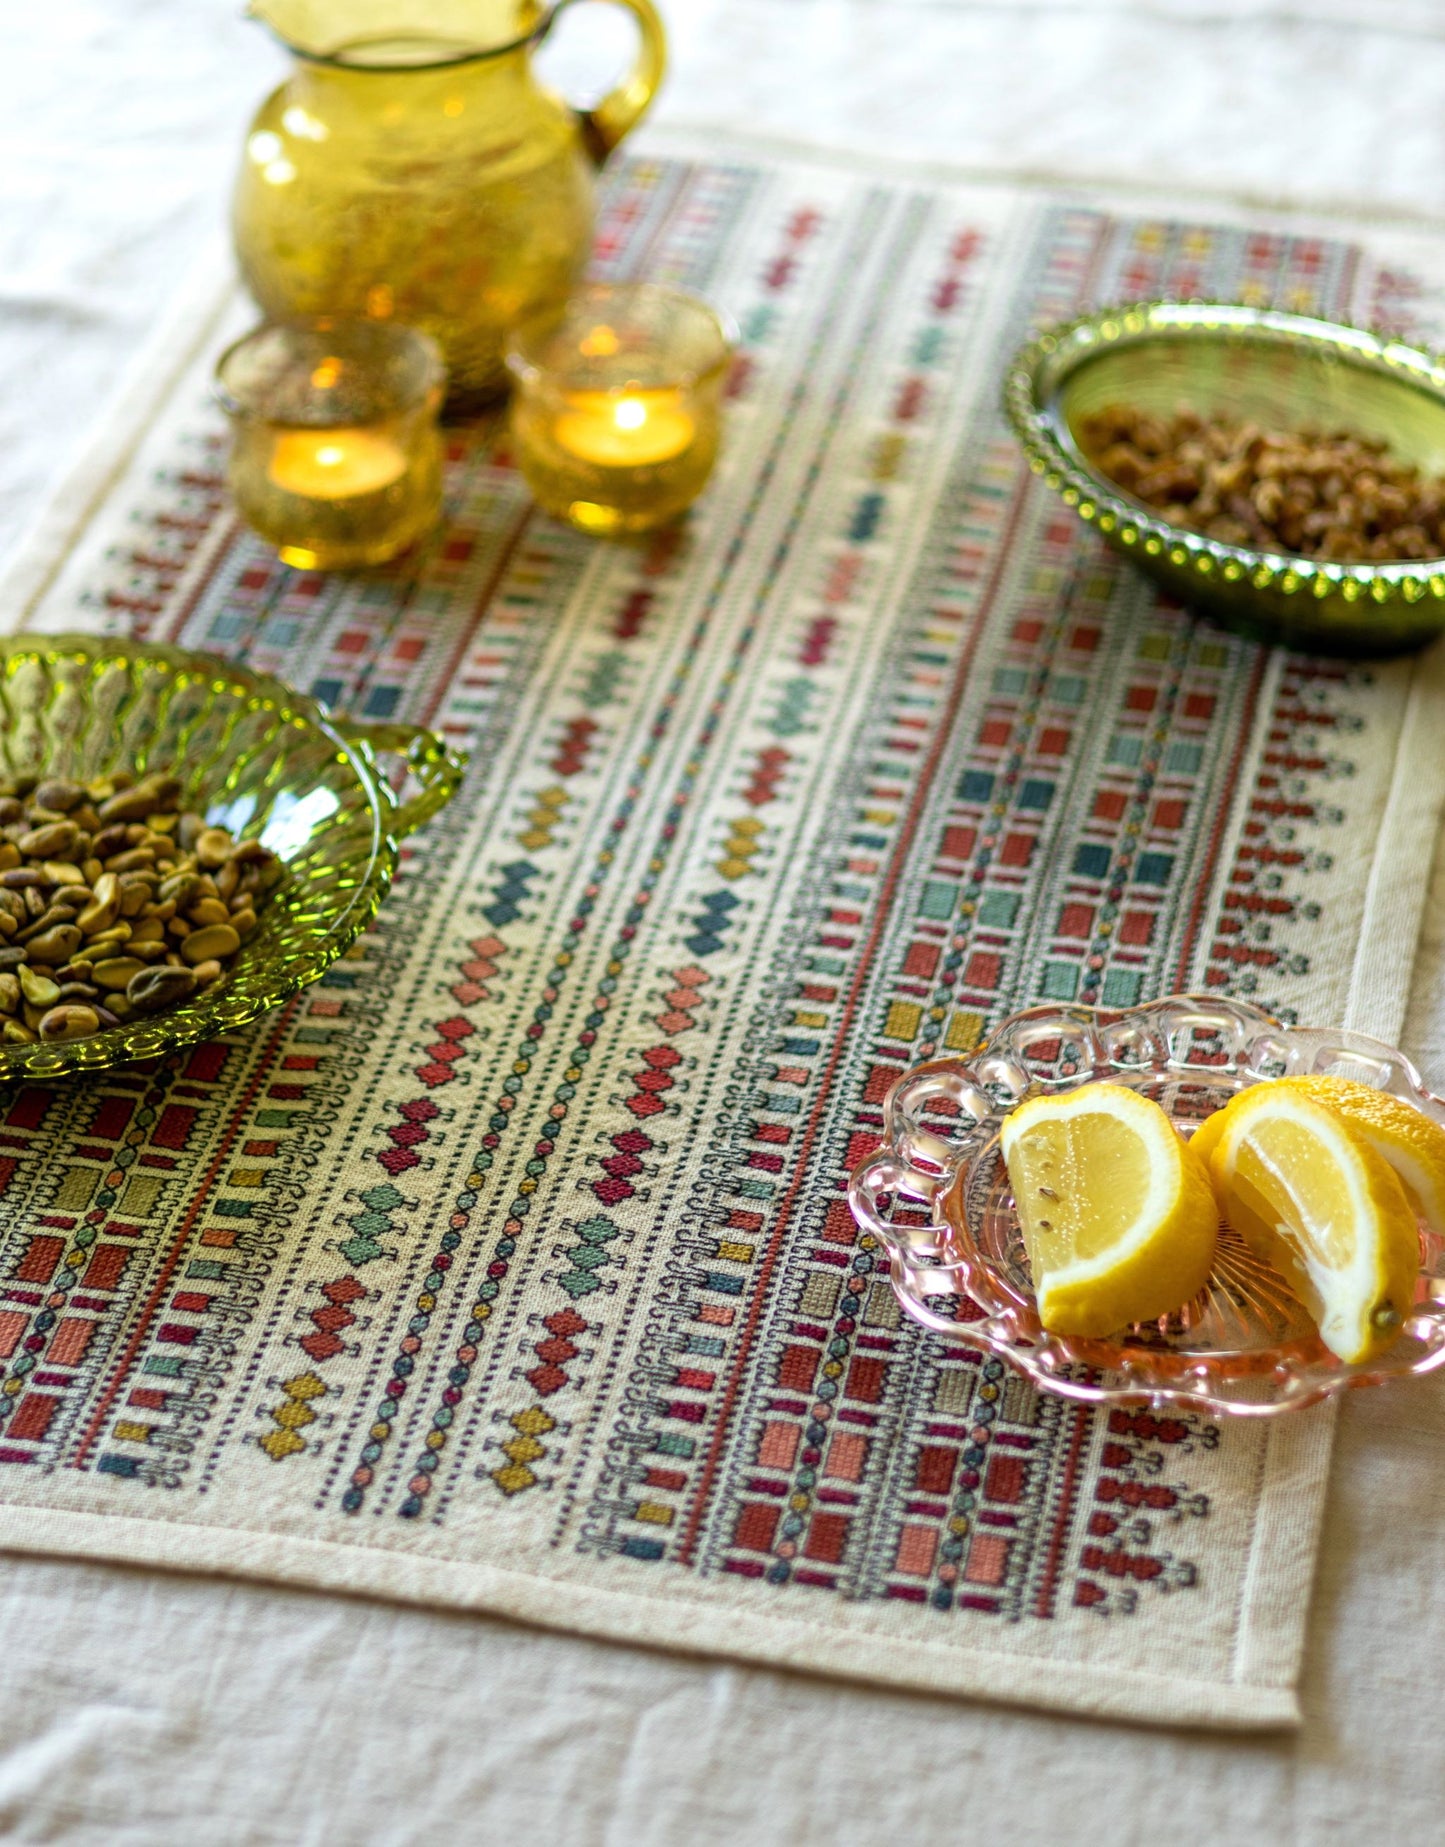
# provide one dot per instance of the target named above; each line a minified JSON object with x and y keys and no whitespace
{"x":252,"y":756}
{"x":1284,"y":371}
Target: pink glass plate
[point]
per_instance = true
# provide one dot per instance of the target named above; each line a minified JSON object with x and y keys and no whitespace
{"x":1244,"y":1346}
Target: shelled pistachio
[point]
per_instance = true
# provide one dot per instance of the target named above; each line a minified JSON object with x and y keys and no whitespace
{"x":115,"y":903}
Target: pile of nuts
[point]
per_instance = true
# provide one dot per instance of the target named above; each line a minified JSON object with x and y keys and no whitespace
{"x":1337,"y":497}
{"x":114,"y":903}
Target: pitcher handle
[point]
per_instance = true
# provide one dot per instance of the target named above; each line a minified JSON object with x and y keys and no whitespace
{"x":622,"y":109}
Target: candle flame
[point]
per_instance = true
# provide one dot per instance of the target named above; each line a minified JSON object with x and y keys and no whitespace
{"x":326,"y":374}
{"x":629,"y":414}
{"x":601,"y":343}
{"x":329,"y":454}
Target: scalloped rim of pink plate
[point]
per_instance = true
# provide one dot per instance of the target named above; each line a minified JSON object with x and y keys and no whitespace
{"x":938,"y":1253}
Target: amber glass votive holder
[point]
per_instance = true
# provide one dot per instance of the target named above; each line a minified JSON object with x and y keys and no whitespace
{"x":335,"y":456}
{"x":618,"y":404}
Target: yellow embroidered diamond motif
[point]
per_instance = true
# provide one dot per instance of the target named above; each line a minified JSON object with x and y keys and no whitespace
{"x":523,"y":1449}
{"x":278,"y":1444}
{"x":740,"y":847}
{"x":543,"y":819}
{"x":293,"y":1415}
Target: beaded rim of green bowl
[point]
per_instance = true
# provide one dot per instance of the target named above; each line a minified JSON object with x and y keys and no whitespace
{"x":1039,"y":367}
{"x":274,"y":971}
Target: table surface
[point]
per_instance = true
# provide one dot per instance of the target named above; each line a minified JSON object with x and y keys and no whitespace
{"x":148,"y":1709}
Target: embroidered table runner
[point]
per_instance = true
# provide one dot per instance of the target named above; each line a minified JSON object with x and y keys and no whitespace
{"x":510,"y":1267}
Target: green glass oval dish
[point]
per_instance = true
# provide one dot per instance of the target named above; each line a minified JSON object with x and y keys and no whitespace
{"x":253,"y":756}
{"x":1283,"y":371}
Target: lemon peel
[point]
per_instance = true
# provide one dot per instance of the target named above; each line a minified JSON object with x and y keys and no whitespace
{"x":1412,"y":1142}
{"x":1117,"y":1212}
{"x":1303,"y":1186}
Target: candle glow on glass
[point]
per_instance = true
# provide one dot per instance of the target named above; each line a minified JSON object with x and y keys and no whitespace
{"x":601,"y":343}
{"x":629,"y":429}
{"x":335,"y":464}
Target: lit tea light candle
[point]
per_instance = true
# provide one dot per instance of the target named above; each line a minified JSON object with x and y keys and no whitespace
{"x":335,"y":453}
{"x":618,"y":404}
{"x":626,"y":429}
{"x":335,"y":464}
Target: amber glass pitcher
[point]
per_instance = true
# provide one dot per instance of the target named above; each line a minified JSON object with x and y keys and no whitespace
{"x":412,"y":168}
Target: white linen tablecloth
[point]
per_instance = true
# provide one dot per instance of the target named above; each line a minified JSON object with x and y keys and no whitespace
{"x":139,"y":1708}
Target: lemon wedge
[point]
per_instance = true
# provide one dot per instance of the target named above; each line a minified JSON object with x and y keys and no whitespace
{"x":1117,"y":1213}
{"x":1412,"y":1143}
{"x":1205,"y":1138}
{"x":1305,"y":1189}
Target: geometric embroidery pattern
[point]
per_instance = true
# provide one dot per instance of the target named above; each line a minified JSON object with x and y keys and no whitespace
{"x":520,"y":1241}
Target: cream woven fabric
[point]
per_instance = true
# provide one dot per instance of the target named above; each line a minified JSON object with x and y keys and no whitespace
{"x":509,"y":1269}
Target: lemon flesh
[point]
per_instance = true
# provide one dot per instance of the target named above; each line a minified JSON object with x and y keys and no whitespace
{"x":1409,"y":1140}
{"x":1117,"y":1213}
{"x":1307,"y":1192}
